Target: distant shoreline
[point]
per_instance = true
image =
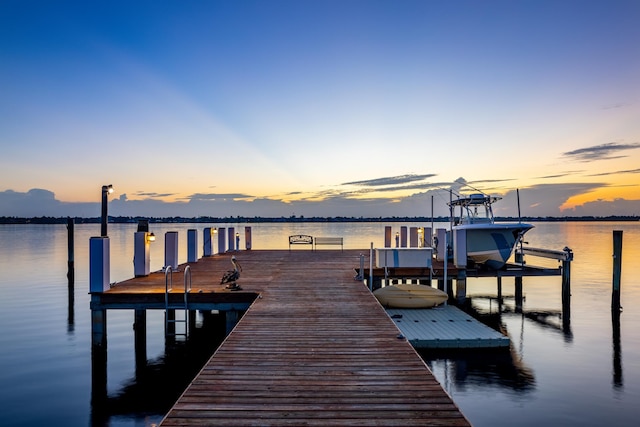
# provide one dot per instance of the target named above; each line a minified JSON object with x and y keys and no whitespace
{"x":292,"y":219}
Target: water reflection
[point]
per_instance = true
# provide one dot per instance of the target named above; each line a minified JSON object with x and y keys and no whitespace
{"x":159,"y":382}
{"x":502,"y":367}
{"x":552,"y":320}
{"x":70,"y":299}
{"x":617,"y":350}
{"x":479,"y":368}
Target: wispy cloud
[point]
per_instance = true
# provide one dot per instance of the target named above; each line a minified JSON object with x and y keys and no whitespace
{"x":153,"y":195}
{"x":632,"y":171}
{"x":600,"y":152}
{"x":617,"y":105}
{"x":391,"y":180}
{"x":219,"y":196}
{"x":560,"y":175}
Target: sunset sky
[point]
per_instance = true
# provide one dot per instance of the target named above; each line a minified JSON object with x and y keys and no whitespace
{"x":318,"y":108}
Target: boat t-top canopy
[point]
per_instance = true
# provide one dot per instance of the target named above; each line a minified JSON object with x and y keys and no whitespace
{"x":474,"y":200}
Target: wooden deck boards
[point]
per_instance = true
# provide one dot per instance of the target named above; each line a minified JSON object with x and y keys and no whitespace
{"x":315,"y":348}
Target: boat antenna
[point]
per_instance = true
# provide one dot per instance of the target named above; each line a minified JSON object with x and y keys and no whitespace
{"x":475,"y":189}
{"x":520,"y":236}
{"x":518,"y":197}
{"x":432,"y":229}
{"x":451,"y":210}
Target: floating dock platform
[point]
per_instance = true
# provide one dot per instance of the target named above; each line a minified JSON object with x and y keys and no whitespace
{"x":445,"y":327}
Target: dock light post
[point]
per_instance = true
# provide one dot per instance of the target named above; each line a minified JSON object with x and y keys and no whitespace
{"x":106,"y":190}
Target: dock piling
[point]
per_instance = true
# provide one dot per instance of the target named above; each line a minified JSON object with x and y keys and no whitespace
{"x":70,"y":251}
{"x":617,"y":270}
{"x":518,"y":294}
{"x":70,"y":274}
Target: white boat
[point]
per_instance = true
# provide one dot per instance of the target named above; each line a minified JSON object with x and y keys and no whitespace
{"x":488,"y":243}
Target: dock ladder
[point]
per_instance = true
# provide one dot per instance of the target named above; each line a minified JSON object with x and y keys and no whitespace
{"x":170,"y":317}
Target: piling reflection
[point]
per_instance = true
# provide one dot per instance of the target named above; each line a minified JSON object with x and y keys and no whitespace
{"x":71,"y":276}
{"x":479,"y":368}
{"x":158,"y":382}
{"x":552,"y":320}
{"x":617,"y":350}
{"x":70,"y":300}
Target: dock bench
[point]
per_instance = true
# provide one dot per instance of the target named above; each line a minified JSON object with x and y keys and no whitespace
{"x":329,"y":241}
{"x":300,"y":239}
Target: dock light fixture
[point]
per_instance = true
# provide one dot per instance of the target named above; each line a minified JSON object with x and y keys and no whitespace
{"x":420,"y":237}
{"x":397,"y":239}
{"x":237,"y":241}
{"x":151,"y":237}
{"x":106,"y":190}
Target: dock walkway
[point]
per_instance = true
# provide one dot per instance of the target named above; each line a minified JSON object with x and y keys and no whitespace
{"x":315,"y":348}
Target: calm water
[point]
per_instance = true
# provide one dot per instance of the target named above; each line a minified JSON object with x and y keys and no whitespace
{"x":583,"y":374}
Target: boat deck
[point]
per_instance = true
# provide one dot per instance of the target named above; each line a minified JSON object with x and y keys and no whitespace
{"x":315,"y":348}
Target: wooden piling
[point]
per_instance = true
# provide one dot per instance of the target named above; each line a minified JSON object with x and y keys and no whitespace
{"x":518,"y":294}
{"x":566,"y":293}
{"x":70,"y":251}
{"x":461,"y":285}
{"x":617,"y":270}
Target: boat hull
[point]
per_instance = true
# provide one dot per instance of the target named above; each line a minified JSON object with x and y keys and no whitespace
{"x":491,"y":245}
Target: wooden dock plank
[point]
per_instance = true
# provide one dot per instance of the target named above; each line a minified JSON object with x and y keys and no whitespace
{"x":316,"y":348}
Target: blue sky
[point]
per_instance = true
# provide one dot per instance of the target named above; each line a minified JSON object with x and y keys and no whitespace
{"x":318,"y":108}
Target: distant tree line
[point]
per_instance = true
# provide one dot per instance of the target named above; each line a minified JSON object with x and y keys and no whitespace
{"x":290,"y":219}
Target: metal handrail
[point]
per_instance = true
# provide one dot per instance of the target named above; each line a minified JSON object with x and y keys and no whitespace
{"x":168,"y":283}
{"x":168,"y":279}
{"x":187,"y":289}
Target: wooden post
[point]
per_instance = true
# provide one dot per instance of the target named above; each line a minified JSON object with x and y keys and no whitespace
{"x":371,"y":267}
{"x":617,"y":270}
{"x":461,"y":285}
{"x":70,"y":275}
{"x":518,"y":292}
{"x":387,"y":236}
{"x":247,"y":238}
{"x":70,"y":251}
{"x":566,"y":293}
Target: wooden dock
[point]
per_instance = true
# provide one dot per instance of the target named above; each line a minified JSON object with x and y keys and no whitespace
{"x":314,"y":347}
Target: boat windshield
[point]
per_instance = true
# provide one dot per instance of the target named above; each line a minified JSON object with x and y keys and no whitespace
{"x":475,"y":209}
